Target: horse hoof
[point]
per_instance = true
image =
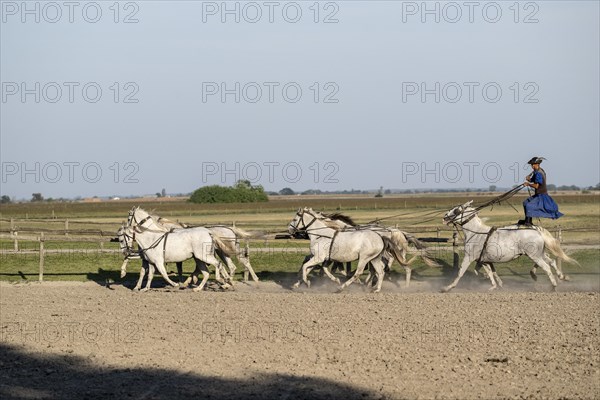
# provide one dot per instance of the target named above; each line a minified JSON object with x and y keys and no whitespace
{"x":533,"y":275}
{"x":445,"y":289}
{"x":123,"y":274}
{"x":296,"y":285}
{"x":566,"y":278}
{"x":492,"y":288}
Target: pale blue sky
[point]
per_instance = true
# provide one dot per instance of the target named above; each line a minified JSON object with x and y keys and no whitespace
{"x":377,"y":134}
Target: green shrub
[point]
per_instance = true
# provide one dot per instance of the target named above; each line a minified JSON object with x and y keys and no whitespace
{"x":242,"y":192}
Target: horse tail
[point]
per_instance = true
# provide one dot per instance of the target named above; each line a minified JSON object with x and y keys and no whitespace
{"x":424,"y":253}
{"x":399,"y":239}
{"x":227,"y":246}
{"x":414,"y":241}
{"x":554,"y":246}
{"x":240,"y":233}
{"x":392,"y":248}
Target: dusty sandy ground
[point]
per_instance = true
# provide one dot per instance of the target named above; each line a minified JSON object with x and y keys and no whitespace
{"x":61,"y":340}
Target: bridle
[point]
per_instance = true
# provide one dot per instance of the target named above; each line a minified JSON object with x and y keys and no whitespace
{"x":305,"y":226}
{"x":124,"y":239}
{"x":138,"y":226}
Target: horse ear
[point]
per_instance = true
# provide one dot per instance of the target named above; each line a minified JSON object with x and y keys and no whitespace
{"x":468,"y":203}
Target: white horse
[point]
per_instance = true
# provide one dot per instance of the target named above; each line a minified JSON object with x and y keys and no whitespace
{"x":503,"y":244}
{"x":158,"y":245}
{"x":230,"y":236}
{"x":125,"y":237}
{"x":400,"y":238}
{"x":329,"y":244}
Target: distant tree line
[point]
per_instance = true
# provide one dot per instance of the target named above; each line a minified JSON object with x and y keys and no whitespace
{"x":242,"y":192}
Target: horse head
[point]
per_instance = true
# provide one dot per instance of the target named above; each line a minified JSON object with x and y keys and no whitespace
{"x":140,"y":220}
{"x":460,"y":214}
{"x":125,"y":234}
{"x":299,"y":223}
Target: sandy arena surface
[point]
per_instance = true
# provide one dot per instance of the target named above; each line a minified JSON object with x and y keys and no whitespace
{"x":62,"y":340}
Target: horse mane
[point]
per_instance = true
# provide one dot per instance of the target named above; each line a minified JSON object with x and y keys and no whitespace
{"x":167,"y":222}
{"x":341,"y":217}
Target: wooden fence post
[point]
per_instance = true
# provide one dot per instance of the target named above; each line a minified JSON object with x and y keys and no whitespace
{"x":455,"y":250}
{"x":13,"y":233}
{"x":559,"y":238}
{"x":41,"y":276}
{"x":66,"y":227}
{"x":437,"y":244}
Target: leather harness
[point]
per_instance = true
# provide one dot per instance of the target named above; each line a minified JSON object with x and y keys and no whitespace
{"x":485,"y":243}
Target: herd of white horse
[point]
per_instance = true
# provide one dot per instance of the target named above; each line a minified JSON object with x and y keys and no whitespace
{"x":333,"y":238}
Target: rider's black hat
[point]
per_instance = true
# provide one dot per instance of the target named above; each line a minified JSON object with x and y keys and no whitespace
{"x":536,"y":160}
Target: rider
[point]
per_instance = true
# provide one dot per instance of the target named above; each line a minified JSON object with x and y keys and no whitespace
{"x":539,"y":205}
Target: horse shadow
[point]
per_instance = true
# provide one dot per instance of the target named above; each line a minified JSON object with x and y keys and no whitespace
{"x":33,"y":375}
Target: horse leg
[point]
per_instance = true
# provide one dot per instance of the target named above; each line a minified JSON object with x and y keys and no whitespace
{"x":490,"y":275}
{"x":201,"y":266}
{"x":408,"y":271}
{"x":477,"y":268}
{"x":348,"y":269}
{"x":188,"y":280}
{"x":229,"y":262}
{"x":328,"y":273}
{"x":193,"y":278}
{"x":335,"y":266}
{"x":180,"y":271}
{"x":554,"y":265}
{"x":540,"y":262}
{"x":160,"y":266}
{"x":463,"y":268}
{"x":379,"y":268}
{"x":142,"y":273}
{"x":297,"y":284}
{"x":500,"y":283}
{"x":220,"y":270}
{"x":150,"y":268}
{"x":124,"y":268}
{"x":248,"y":268}
{"x":305,"y":269}
{"x":532,"y":273}
{"x":370,"y":275}
{"x":388,"y":260}
{"x":359,"y":270}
